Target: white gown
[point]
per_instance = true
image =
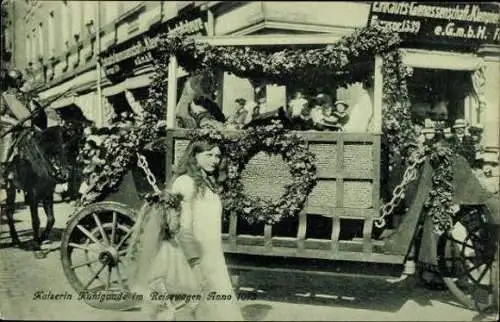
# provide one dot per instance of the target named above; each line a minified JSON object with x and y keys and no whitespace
{"x":207,"y":217}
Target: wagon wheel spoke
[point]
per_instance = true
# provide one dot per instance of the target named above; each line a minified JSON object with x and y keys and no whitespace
{"x":96,"y":276}
{"x":108,"y":277}
{"x":461,"y":243}
{"x":470,"y":269}
{"x":120,"y":279}
{"x":120,"y":244}
{"x":101,"y":229}
{"x":82,"y":247}
{"x":85,"y":263}
{"x":483,"y":273}
{"x":89,"y":235}
{"x":113,"y":228}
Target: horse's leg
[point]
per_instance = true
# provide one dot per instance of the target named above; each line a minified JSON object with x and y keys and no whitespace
{"x":32,"y":199}
{"x":48,"y":206}
{"x":10,"y":208}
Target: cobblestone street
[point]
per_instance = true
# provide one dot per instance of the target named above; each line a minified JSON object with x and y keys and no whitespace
{"x":21,"y":275}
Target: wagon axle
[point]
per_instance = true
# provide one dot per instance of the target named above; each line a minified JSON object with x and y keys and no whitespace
{"x":109,"y":256}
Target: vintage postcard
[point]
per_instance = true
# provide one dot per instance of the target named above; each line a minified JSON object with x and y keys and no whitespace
{"x":249,"y":160}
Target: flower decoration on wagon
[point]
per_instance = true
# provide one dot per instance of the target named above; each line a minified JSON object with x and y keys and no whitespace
{"x":344,"y":62}
{"x":272,"y":139}
{"x":240,"y":148}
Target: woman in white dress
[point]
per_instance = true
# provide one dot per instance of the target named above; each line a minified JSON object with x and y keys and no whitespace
{"x":198,"y":178}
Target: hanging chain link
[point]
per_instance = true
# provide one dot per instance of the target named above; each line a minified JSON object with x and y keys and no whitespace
{"x":143,"y":164}
{"x":399,"y":192}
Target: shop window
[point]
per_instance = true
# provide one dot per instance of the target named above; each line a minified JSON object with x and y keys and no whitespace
{"x":440,"y":95}
{"x":72,"y":113}
{"x":120,"y":104}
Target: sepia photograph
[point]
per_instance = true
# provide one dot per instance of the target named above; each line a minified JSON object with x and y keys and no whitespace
{"x":249,"y":160}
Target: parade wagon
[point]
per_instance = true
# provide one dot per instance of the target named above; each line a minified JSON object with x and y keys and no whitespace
{"x":345,"y":218}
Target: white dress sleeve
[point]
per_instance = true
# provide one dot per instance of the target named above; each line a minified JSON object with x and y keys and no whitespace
{"x":185,"y":186}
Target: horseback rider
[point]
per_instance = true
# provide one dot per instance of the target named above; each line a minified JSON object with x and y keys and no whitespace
{"x":11,"y":85}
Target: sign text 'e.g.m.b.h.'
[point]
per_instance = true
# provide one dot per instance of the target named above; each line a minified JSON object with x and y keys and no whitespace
{"x":439,"y":22}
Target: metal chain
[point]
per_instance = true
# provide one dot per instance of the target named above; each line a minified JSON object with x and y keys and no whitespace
{"x":399,"y":192}
{"x":143,"y":164}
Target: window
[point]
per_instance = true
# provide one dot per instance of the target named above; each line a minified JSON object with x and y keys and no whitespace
{"x":76,"y":18}
{"x":51,"y":34}
{"x":65,"y":15}
{"x":29,"y":56}
{"x":89,"y":12}
{"x":40,"y":39}
{"x":439,"y":94}
{"x":34,"y":44}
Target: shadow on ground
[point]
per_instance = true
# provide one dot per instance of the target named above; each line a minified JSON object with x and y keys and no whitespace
{"x":26,"y":237}
{"x":358,"y":293}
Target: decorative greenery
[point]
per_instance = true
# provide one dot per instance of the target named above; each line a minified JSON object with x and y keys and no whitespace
{"x":273,"y":139}
{"x":106,"y":157}
{"x":440,"y":200}
{"x":166,"y":205}
{"x":348,"y":61}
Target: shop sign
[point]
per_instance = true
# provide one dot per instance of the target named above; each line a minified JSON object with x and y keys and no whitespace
{"x":139,"y":48}
{"x":439,"y":22}
{"x":141,"y":51}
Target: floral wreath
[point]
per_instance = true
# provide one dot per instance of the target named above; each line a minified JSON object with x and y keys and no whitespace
{"x":273,"y":139}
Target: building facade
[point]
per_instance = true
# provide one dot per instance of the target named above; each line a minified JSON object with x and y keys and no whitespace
{"x":453,"y":48}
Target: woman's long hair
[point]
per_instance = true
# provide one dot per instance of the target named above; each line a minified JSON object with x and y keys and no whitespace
{"x":189,"y":166}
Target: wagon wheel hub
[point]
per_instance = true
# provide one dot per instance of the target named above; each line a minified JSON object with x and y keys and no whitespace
{"x":109,"y":256}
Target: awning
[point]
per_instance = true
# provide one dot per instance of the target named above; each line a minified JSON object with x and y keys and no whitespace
{"x":17,"y":108}
{"x":128,"y":84}
{"x":140,"y":81}
{"x":87,"y":79}
{"x":63,"y":102}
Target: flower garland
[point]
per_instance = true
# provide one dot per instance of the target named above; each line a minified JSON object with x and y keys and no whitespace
{"x":440,"y":200}
{"x":300,"y":161}
{"x":106,"y":157}
{"x":168,"y":206}
{"x":273,"y":139}
{"x":341,"y":63}
{"x":336,"y":63}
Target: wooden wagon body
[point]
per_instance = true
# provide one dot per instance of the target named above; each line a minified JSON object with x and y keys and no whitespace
{"x":348,"y":190}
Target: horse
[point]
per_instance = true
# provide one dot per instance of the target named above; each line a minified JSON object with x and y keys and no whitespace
{"x":36,"y":168}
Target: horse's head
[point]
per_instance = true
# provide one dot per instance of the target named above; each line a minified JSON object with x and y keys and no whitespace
{"x":53,"y":142}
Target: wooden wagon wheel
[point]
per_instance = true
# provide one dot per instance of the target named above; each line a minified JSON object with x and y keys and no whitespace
{"x":92,"y":254}
{"x":466,"y":256}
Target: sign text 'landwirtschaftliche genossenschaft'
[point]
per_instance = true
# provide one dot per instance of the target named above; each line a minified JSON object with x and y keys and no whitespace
{"x":434,"y":22}
{"x":142,"y":50}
